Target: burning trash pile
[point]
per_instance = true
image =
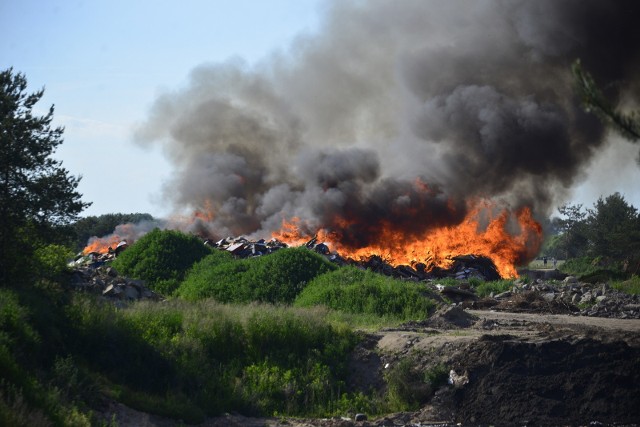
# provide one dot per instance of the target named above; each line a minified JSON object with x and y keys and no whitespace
{"x":91,"y":256}
{"x":488,"y":242}
{"x":462,"y":267}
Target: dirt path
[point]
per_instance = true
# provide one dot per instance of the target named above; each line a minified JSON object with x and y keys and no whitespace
{"x":629,"y":325}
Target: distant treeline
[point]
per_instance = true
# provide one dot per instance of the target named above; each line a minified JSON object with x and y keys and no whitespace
{"x":102,"y":225}
{"x":608,"y":233}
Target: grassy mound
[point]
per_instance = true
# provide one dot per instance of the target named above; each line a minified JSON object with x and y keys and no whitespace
{"x":161,"y":259}
{"x":274,"y":278}
{"x":353,"y":290}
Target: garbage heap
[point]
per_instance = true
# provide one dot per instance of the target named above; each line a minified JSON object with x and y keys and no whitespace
{"x":463,"y":267}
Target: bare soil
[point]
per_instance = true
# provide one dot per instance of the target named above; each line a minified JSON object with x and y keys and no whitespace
{"x":510,"y":369}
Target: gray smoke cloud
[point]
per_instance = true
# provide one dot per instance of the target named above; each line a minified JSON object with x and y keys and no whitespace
{"x":396,"y":113}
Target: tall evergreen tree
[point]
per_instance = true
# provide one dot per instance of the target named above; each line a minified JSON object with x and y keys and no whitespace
{"x":614,"y":228}
{"x":36,"y":192}
{"x":627,"y":124}
{"x":573,"y":239}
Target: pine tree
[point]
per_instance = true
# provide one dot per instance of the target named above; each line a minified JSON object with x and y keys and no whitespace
{"x":36,"y":192}
{"x":628,"y":125}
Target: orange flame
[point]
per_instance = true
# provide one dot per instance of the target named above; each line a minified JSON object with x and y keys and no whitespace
{"x":206,"y":213}
{"x":101,"y":245}
{"x":436,"y":247}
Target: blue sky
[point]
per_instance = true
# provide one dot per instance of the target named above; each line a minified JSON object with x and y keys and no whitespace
{"x":103,"y":63}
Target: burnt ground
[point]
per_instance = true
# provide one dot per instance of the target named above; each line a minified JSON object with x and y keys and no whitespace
{"x":509,"y":369}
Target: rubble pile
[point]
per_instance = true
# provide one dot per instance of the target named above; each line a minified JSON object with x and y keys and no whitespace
{"x":463,"y":267}
{"x":566,"y":296}
{"x":244,"y":248}
{"x":95,"y":259}
{"x":470,"y":266}
{"x":549,"y":291}
{"x":107,"y":282}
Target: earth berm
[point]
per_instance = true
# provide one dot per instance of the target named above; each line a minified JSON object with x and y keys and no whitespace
{"x":505,"y":369}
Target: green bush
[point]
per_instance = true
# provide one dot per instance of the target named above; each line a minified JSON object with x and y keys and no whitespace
{"x":405,"y":389}
{"x":631,"y":286}
{"x":274,"y":278}
{"x":161,"y":258}
{"x":50,"y":262}
{"x":594,"y":270}
{"x":361,"y":291}
{"x":437,"y":376}
{"x":209,"y":358}
{"x":31,"y":345}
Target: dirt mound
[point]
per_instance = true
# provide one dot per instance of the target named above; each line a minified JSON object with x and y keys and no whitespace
{"x":551,"y":382}
{"x":449,"y":317}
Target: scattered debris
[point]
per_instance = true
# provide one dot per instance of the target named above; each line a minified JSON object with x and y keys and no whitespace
{"x":458,"y":381}
{"x":243,"y":248}
{"x":567,"y":297}
{"x":107,"y":282}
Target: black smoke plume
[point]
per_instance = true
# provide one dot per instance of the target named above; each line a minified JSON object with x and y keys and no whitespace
{"x":397,"y":112}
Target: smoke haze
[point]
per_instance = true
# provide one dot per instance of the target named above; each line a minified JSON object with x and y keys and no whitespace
{"x":396,"y":112}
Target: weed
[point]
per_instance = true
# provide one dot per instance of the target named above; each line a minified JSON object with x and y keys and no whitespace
{"x":405,"y":390}
{"x":631,"y":286}
{"x":437,"y":376}
{"x":353,"y":290}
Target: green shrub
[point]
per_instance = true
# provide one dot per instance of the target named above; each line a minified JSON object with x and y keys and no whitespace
{"x":274,"y":278}
{"x":579,"y":266}
{"x":631,"y":286}
{"x":51,"y":261}
{"x":188,"y":360}
{"x":437,"y":376}
{"x":405,"y":389}
{"x":217,"y":276}
{"x":161,"y":259}
{"x":361,"y":291}
{"x":30,"y":345}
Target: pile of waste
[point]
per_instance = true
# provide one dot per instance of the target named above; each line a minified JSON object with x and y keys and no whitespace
{"x":95,"y":259}
{"x":244,"y":248}
{"x":569,"y":296}
{"x":462,"y":267}
{"x":107,"y":282}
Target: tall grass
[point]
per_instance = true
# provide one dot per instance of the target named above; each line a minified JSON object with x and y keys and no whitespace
{"x":595,"y":270}
{"x":352,"y":290}
{"x":204,"y":358}
{"x":630,"y":286}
